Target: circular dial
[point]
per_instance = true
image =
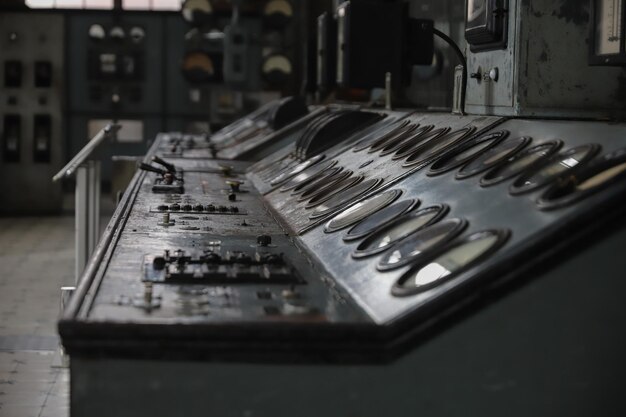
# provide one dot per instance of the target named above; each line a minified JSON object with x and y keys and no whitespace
{"x":456,"y":259}
{"x":97,"y":32}
{"x":276,"y":69}
{"x":199,"y":67}
{"x":341,"y":199}
{"x":197,"y":11}
{"x":392,"y":145}
{"x":421,"y":243}
{"x":555,"y":167}
{"x":394,"y":137}
{"x":493,"y":156}
{"x":296,"y":170}
{"x":329,"y":192}
{"x":381,"y":132}
{"x":320,"y":180}
{"x":361,"y":210}
{"x":404,"y":226}
{"x":277,"y":13}
{"x":518,"y":163}
{"x":379,"y":219}
{"x":412,"y":144}
{"x":610,"y":169}
{"x":433,"y":148}
{"x":462,"y":154}
{"x":137,"y":34}
{"x":307,"y":175}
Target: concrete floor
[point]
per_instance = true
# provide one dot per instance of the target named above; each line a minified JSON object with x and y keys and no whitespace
{"x":36,"y":259}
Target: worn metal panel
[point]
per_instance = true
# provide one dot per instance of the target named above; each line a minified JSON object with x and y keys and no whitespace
{"x":39,"y":37}
{"x":544,"y":71}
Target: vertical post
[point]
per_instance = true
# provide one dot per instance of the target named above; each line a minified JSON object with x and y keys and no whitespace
{"x":81,"y":223}
{"x":93,"y":220}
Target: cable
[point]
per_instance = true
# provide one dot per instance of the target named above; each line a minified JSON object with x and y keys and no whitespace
{"x":457,"y":50}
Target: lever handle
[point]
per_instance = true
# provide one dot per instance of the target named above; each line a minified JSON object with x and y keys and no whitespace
{"x":167,"y":165}
{"x":150,"y":168}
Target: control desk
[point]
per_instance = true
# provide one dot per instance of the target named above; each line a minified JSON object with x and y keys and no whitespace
{"x":419,"y":262}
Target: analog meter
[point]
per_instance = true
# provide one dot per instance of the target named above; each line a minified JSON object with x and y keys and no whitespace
{"x":607,"y":33}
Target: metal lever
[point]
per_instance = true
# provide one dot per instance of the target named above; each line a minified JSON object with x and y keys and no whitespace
{"x":167,"y":165}
{"x":150,"y":168}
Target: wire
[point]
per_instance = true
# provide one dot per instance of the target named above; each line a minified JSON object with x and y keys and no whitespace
{"x":459,"y":53}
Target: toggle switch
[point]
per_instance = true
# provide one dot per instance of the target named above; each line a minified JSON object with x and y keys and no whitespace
{"x":43,"y":74}
{"x":42,"y":138}
{"x":234,"y":185}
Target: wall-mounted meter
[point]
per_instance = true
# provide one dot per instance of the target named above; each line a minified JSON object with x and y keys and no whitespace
{"x":607,"y":33}
{"x":486,"y":24}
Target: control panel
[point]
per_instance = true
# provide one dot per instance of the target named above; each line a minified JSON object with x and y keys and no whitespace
{"x":32,"y":99}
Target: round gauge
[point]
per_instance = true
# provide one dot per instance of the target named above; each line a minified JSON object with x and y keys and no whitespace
{"x":361,"y":210}
{"x":520,"y":162}
{"x":372,"y":128}
{"x":397,"y":230}
{"x":457,"y":258}
{"x":297,"y":169}
{"x":321,"y":180}
{"x":278,"y":167}
{"x":197,"y":11}
{"x":381,"y":132}
{"x":493,"y":156}
{"x":276,"y":69}
{"x":396,"y":136}
{"x":307,"y":175}
{"x":137,"y":34}
{"x":421,"y":244}
{"x":412,"y":144}
{"x":610,"y":169}
{"x":117,"y":32}
{"x":199,"y":67}
{"x":566,"y":162}
{"x":392,"y":145}
{"x":97,"y":32}
{"x":433,"y":148}
{"x":337,"y":187}
{"x":340,"y":200}
{"x":463,"y":153}
{"x":277,"y":13}
{"x":380,"y":219}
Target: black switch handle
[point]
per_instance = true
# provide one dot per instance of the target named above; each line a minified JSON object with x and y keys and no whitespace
{"x":150,"y":168}
{"x":167,"y":165}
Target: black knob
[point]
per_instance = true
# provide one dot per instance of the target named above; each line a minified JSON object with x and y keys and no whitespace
{"x":158,"y":262}
{"x":264,"y":240}
{"x":234,"y":185}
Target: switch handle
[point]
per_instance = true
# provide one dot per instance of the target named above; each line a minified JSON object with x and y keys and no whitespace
{"x":150,"y":168}
{"x":167,"y":165}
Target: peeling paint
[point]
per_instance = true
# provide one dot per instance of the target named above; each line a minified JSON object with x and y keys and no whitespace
{"x":573,"y":11}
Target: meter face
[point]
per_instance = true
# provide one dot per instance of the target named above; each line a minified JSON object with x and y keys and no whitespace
{"x":476,"y":13}
{"x":608,"y":26}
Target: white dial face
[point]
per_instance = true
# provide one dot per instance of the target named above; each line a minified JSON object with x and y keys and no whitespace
{"x":609,"y":26}
{"x":475,"y":9}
